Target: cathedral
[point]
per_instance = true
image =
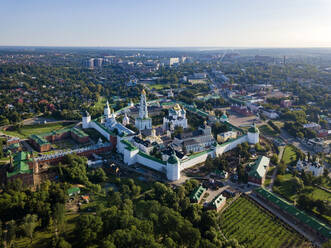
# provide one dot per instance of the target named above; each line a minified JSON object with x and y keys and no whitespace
{"x":143,"y":122}
{"x":175,"y":118}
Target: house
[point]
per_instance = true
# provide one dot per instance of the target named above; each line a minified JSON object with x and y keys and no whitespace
{"x":197,"y":194}
{"x":21,"y":168}
{"x":286,"y":103}
{"x":270,"y":114}
{"x":218,"y":202}
{"x":258,"y":171}
{"x":73,"y":191}
{"x":312,"y":125}
{"x":314,"y":167}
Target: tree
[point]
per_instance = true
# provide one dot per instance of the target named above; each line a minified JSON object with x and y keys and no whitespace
{"x":297,"y":184}
{"x":60,"y":243}
{"x":30,"y":223}
{"x":11,"y":232}
{"x":88,"y":228}
{"x":59,"y":218}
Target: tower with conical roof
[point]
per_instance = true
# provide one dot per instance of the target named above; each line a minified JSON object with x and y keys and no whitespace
{"x":143,"y":121}
{"x":86,"y":120}
{"x":253,"y":134}
{"x":173,"y":168}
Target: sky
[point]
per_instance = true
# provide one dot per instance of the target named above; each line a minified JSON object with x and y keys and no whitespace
{"x":166,"y":23}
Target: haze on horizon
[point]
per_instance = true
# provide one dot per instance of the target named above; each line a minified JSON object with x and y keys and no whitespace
{"x":171,"y":23}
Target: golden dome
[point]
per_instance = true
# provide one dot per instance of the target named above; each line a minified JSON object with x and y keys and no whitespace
{"x":177,"y":107}
{"x":143,"y":92}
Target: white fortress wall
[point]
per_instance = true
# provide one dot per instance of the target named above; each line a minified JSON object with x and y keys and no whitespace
{"x":141,"y":159}
{"x":100,"y":130}
{"x":197,"y":160}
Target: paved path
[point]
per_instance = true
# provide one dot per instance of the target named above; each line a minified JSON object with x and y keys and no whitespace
{"x":274,"y":174}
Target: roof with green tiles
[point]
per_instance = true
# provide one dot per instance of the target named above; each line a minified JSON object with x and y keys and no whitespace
{"x":40,"y":138}
{"x":20,"y":164}
{"x":73,"y":190}
{"x":292,"y":210}
{"x":197,"y":193}
{"x":259,"y":168}
{"x":79,"y":132}
{"x":129,"y":146}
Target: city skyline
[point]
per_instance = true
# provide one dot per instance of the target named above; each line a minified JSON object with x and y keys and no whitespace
{"x":146,"y":23}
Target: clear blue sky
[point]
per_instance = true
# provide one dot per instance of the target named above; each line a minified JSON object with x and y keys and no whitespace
{"x":221,"y":23}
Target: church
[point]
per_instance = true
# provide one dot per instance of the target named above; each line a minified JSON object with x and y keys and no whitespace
{"x":143,"y":121}
{"x":175,"y":118}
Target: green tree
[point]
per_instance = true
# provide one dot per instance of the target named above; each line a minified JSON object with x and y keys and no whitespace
{"x":30,"y":223}
{"x":11,"y":232}
{"x":59,"y":218}
{"x":88,"y":227}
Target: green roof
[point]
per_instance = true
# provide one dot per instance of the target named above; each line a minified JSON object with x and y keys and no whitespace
{"x":79,"y":132}
{"x":129,"y":146}
{"x":292,"y":210}
{"x":197,"y":193}
{"x":259,"y":168}
{"x":253,"y":129}
{"x":173,"y":159}
{"x":20,"y":164}
{"x":39,"y":139}
{"x":73,"y":190}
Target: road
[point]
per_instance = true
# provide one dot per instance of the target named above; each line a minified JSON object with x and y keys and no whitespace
{"x":291,"y":140}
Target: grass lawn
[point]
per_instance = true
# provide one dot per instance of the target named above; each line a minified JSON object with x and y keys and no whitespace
{"x":100,"y":104}
{"x":254,"y":227}
{"x":285,"y":189}
{"x":26,"y":131}
{"x":158,"y":86}
{"x":267,"y":130}
{"x":289,"y":155}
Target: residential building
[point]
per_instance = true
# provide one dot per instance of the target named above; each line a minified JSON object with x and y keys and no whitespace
{"x":257,"y":173}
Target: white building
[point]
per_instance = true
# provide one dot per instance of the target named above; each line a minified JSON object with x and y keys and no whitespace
{"x":315,"y":168}
{"x":173,"y":61}
{"x":175,"y":118}
{"x":270,"y":114}
{"x":143,"y":121}
{"x":126,"y":120}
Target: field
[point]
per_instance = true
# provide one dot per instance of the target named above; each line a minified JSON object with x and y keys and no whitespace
{"x":26,"y":131}
{"x":289,"y":155}
{"x":254,"y":227}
